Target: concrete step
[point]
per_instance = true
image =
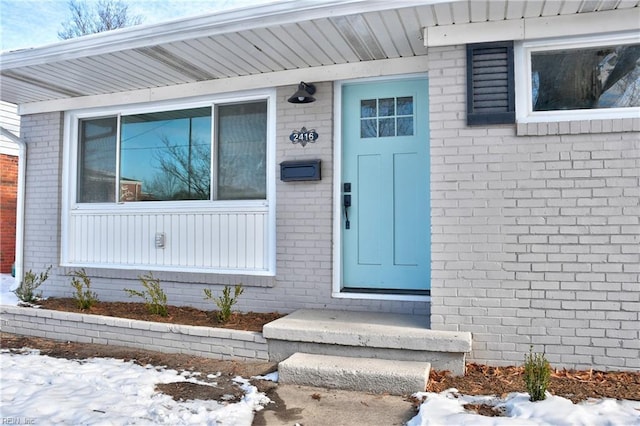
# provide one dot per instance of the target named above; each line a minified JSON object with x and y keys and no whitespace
{"x":357,"y":374}
{"x":366,"y":335}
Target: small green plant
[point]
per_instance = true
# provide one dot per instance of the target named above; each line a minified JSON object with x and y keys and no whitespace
{"x":537,"y":372}
{"x":154,"y":297}
{"x":84,"y":297}
{"x":226,"y":302}
{"x":26,"y":291}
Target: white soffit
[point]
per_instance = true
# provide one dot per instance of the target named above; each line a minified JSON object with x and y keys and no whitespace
{"x":534,"y":28}
{"x":280,"y":44}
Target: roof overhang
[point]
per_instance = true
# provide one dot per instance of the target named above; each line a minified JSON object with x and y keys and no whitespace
{"x":280,"y":44}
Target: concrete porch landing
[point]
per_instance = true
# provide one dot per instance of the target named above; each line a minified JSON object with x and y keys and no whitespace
{"x":366,"y":335}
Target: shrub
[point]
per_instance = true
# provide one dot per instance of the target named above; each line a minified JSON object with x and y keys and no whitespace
{"x":84,"y":297}
{"x":154,"y":297}
{"x":226,"y":302}
{"x":26,"y":291}
{"x":537,"y":372}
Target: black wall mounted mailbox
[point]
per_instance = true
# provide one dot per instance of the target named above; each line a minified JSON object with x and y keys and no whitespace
{"x":299,"y":170}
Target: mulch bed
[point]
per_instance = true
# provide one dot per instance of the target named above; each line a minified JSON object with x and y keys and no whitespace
{"x":249,"y":321}
{"x":574,"y":385}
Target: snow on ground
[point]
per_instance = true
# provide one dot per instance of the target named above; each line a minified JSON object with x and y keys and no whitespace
{"x":446,"y":408}
{"x":109,"y":391}
{"x":7,"y":285}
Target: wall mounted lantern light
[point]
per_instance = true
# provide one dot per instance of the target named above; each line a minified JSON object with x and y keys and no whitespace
{"x":304,"y":94}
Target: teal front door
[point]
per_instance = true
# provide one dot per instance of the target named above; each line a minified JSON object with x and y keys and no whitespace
{"x":385,"y":187}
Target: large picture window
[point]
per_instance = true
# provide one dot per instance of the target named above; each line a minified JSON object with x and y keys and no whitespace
{"x":172,"y":155}
{"x":166,"y":156}
{"x":579,"y":79}
{"x":97,"y":160}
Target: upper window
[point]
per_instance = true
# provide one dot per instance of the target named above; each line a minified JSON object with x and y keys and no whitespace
{"x":594,"y":77}
{"x":579,"y":80}
{"x":174,"y":155}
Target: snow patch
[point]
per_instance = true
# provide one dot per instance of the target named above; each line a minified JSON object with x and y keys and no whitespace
{"x":447,"y":408}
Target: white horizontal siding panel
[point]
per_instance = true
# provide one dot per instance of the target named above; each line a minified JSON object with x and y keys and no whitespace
{"x":9,"y":117}
{"x":235,"y":241}
{"x":10,"y":120}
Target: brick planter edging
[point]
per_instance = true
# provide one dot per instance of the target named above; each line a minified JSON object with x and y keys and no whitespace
{"x":210,"y":342}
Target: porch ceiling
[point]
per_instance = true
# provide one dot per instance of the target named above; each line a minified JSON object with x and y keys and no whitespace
{"x":290,"y":35}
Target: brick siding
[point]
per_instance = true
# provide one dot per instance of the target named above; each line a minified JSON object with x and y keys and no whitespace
{"x":8,"y":204}
{"x":304,"y":247}
{"x":536,"y":238}
{"x":168,"y":338}
{"x":535,"y":231}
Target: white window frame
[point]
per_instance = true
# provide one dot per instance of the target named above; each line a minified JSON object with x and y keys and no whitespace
{"x":70,"y":174}
{"x":524,"y":104}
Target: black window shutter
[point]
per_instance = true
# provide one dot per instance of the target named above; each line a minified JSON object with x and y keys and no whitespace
{"x":490,"y":84}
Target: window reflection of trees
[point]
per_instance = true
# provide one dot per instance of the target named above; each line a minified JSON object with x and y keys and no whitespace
{"x":386,"y":117}
{"x":167,"y":155}
{"x":598,"y":77}
{"x":183,"y":173}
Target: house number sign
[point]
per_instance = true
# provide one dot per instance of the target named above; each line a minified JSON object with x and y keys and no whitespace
{"x":303,"y":136}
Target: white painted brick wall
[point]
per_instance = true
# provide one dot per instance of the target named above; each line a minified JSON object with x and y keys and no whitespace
{"x":43,"y":135}
{"x":536,"y":235}
{"x":303,"y":234}
{"x":169,"y":338}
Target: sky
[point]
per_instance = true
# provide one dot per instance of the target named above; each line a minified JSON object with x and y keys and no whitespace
{"x":34,"y":23}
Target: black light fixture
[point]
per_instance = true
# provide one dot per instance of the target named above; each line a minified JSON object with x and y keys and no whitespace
{"x":304,"y":94}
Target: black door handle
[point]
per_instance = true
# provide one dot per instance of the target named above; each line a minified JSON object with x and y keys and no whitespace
{"x":346,"y":203}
